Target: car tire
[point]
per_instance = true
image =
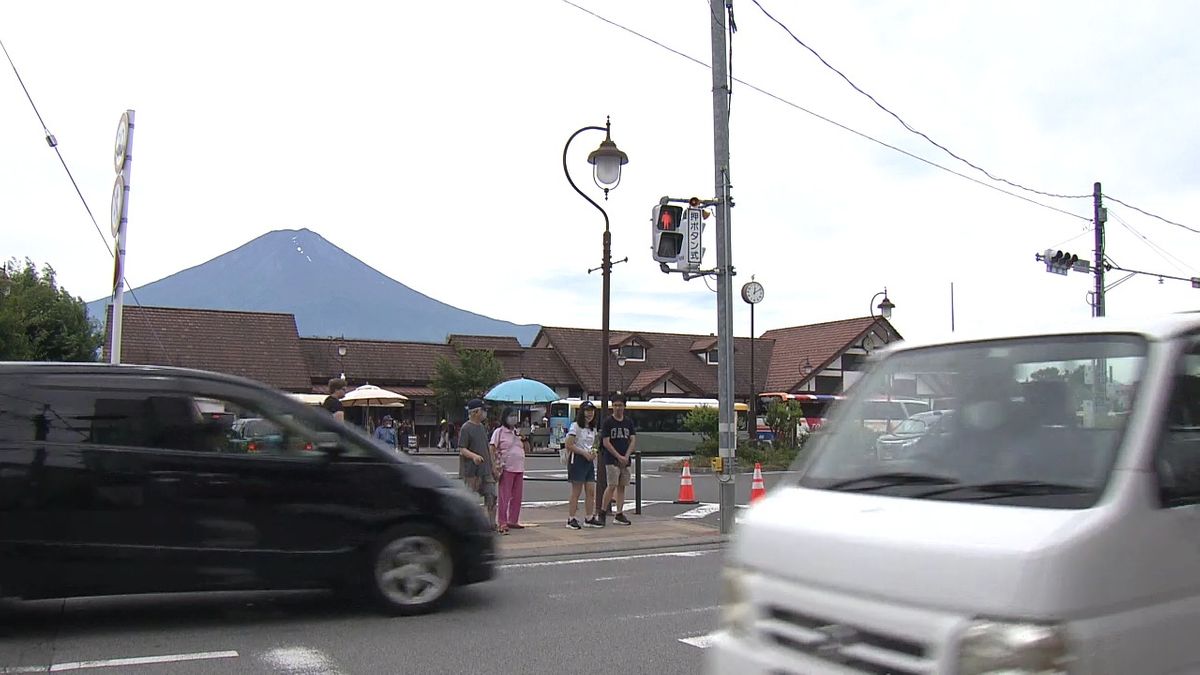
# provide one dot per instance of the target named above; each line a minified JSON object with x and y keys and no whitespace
{"x":410,"y":570}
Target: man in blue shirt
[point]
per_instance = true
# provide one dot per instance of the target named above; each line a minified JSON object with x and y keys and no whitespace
{"x":386,"y":432}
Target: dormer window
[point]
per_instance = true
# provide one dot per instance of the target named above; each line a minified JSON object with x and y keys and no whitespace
{"x":710,"y":357}
{"x":633,"y":352}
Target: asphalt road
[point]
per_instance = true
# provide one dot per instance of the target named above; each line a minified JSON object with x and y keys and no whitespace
{"x":622,"y":613}
{"x":545,"y":481}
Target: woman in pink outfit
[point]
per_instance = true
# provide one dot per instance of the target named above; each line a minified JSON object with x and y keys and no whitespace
{"x":509,"y":449}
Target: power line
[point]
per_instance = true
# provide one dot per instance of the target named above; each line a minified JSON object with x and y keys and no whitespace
{"x":1147,"y":213}
{"x":1163,"y":253}
{"x":830,"y":121}
{"x":53,"y":143}
{"x":908,"y":126}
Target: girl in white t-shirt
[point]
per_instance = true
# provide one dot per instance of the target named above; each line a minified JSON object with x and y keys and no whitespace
{"x":581,"y":467}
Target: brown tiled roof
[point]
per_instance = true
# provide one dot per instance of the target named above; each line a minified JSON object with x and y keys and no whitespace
{"x":412,"y":364}
{"x":380,"y":362}
{"x":622,"y":339}
{"x":704,"y":344}
{"x":818,"y":344}
{"x":262,"y":346}
{"x":494,"y":343}
{"x":670,"y":351}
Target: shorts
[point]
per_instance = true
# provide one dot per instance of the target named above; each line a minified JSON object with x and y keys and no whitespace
{"x":581,"y":470}
{"x":485,"y":488}
{"x":617,"y":475}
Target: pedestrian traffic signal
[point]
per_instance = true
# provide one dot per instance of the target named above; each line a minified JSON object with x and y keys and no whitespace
{"x":666,"y":233}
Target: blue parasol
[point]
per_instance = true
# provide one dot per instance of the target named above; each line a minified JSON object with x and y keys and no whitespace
{"x":521,"y":391}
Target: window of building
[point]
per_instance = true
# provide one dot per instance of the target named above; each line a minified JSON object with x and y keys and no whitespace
{"x":710,"y":357}
{"x":633,"y":352}
{"x":853,"y":361}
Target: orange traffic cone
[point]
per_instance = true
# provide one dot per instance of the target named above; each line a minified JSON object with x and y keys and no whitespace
{"x":758,"y":489}
{"x":687,"y":495}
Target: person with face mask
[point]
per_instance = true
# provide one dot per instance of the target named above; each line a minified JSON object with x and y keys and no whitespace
{"x":509,"y":449}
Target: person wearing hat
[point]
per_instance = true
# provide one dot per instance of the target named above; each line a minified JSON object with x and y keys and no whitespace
{"x":476,"y":465}
{"x":581,"y":467}
{"x":386,"y":432}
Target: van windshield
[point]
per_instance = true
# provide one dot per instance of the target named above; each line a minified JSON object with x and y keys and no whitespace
{"x":1027,"y":422}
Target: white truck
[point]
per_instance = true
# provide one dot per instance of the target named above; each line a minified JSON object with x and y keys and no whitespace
{"x":1051,"y":526}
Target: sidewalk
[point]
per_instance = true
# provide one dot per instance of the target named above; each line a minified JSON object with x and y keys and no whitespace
{"x":552,"y":537}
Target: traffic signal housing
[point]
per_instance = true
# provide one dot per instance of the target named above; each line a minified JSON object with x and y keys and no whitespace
{"x":667,"y":234}
{"x":1061,"y":262}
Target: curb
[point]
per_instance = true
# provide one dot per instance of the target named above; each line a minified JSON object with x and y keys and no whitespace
{"x":677,"y":543}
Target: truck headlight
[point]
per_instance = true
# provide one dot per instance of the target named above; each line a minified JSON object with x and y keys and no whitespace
{"x":735,"y":603}
{"x":991,"y":647}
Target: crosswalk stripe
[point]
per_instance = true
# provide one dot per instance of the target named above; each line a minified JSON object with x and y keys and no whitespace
{"x":701,"y":641}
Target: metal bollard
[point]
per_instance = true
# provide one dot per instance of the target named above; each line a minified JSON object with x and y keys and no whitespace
{"x":637,"y":489}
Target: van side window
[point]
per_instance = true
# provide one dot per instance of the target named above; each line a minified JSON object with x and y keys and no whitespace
{"x":1178,"y":461}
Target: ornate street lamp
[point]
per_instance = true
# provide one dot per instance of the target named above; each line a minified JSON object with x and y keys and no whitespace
{"x":606,"y":161}
{"x":885,"y":306}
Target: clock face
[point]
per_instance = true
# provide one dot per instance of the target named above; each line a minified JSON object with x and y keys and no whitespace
{"x":753,"y":292}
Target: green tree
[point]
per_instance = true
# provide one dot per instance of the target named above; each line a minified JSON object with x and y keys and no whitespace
{"x":784,"y":418}
{"x":704,"y":421}
{"x":40,"y":321}
{"x":455,"y":383}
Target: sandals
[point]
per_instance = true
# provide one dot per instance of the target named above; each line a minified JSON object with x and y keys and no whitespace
{"x":502,"y":529}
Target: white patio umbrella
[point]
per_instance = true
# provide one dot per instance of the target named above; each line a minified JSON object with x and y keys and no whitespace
{"x":369,"y":395}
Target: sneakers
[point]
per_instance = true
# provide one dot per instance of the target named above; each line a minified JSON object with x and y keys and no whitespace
{"x":620,"y":519}
{"x":574,"y":524}
{"x":593,"y":522}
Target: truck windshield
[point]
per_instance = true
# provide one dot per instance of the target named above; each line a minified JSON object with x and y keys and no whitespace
{"x":1029,"y":422}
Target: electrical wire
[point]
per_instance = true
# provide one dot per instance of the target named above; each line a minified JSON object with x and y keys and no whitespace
{"x":908,"y":126}
{"x":53,"y":143}
{"x":1163,"y":253}
{"x":833,"y":122}
{"x":1147,"y":213}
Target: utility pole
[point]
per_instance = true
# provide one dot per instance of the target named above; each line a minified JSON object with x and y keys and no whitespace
{"x":727,"y":425}
{"x":1100,"y":390}
{"x":1099,"y":216}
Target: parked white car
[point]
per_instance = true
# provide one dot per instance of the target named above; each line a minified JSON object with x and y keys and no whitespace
{"x":1053,"y":528}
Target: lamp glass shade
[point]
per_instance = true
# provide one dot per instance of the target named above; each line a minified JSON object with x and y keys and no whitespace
{"x":608,"y":170}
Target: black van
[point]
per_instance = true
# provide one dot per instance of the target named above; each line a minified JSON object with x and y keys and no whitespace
{"x":113,"y":480}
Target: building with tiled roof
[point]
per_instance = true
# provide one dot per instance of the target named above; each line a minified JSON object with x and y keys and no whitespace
{"x":263,"y":346}
{"x":824,"y":358}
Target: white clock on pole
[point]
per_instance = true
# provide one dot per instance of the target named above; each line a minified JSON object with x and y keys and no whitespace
{"x":753,"y":292}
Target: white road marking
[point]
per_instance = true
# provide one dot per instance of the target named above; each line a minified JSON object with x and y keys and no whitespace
{"x":112,"y":663}
{"x":705,"y":509}
{"x":300,"y":661}
{"x":654,"y":615}
{"x":701,"y":641}
{"x":606,"y":578}
{"x":579,"y":561}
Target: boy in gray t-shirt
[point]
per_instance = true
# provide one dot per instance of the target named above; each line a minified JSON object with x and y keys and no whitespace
{"x":476,"y":464}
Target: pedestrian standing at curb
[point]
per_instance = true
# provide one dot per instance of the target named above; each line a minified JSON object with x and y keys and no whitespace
{"x":444,"y":438}
{"x":581,"y":467}
{"x":509,"y":450}
{"x":618,"y":437}
{"x":476,"y":465}
{"x":333,"y":402}
{"x":386,"y":432}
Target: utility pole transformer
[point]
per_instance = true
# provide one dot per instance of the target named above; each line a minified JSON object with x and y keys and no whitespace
{"x":727,"y":424}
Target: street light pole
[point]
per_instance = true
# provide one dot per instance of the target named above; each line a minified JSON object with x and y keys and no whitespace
{"x":607,"y":160}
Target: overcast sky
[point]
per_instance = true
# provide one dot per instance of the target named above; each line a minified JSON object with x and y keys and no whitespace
{"x":426,"y":140}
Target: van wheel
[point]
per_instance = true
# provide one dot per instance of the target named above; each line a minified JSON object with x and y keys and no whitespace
{"x":411,"y":569}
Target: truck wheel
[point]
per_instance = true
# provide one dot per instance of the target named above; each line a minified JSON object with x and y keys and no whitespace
{"x":411,"y":569}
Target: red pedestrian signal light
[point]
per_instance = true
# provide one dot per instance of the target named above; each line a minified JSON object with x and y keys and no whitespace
{"x":669,"y":218}
{"x":666,"y":233}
